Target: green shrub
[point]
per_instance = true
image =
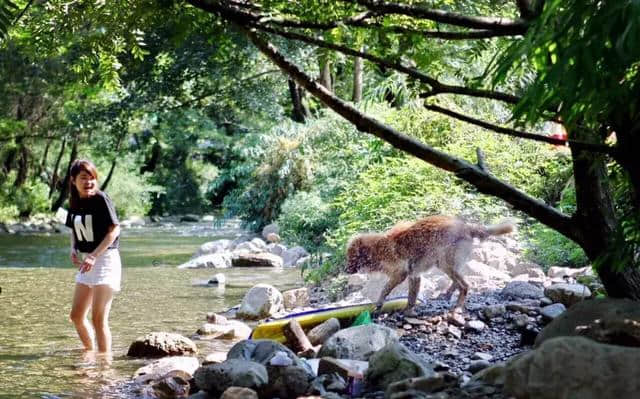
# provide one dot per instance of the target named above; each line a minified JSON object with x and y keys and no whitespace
{"x":30,"y":198}
{"x":304,"y":218}
{"x":131,"y":192}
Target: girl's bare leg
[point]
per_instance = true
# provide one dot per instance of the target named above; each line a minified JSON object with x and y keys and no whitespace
{"x":102,"y":297}
{"x":82,"y":297}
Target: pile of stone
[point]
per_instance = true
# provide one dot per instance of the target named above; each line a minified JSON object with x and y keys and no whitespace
{"x":248,"y":251}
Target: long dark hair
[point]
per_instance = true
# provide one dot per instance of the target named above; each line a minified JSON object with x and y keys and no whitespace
{"x":79,"y":165}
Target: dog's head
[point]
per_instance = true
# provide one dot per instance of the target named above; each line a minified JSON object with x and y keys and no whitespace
{"x":361,"y":253}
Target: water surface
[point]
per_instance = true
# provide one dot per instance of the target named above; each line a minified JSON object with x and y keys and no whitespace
{"x":40,"y":354}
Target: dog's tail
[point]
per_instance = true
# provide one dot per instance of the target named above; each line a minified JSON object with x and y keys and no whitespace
{"x":482,"y":232}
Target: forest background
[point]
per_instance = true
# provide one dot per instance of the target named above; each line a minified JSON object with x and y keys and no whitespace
{"x":183,"y":113}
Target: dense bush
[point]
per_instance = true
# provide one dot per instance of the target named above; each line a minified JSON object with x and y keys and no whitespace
{"x":28,"y":199}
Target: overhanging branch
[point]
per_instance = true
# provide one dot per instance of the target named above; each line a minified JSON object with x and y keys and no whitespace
{"x":437,"y":87}
{"x":483,"y":181}
{"x":517,"y":133}
{"x":505,"y":25}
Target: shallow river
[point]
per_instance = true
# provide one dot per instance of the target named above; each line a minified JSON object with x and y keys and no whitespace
{"x":40,"y":354}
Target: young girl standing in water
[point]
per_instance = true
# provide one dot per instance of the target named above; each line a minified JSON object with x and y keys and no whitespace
{"x":94,"y":251}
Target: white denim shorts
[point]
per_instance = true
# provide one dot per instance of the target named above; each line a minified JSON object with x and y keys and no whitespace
{"x":107,"y":270}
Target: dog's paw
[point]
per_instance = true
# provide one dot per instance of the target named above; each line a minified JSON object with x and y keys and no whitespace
{"x":410,"y":312}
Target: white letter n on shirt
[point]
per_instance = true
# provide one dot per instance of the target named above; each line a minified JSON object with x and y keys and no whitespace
{"x":84,"y":231}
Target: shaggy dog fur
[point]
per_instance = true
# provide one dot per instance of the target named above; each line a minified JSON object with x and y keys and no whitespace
{"x":411,"y":248}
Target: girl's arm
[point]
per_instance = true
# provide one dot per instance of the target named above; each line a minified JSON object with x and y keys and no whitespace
{"x":74,"y":253}
{"x":112,"y":234}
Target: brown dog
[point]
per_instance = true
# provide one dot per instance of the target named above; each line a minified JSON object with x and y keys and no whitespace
{"x":411,"y":248}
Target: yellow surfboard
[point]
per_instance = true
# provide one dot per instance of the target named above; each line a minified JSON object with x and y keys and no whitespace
{"x":273,"y":329}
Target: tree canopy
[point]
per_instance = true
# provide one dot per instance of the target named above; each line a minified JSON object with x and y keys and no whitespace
{"x":572,"y":62}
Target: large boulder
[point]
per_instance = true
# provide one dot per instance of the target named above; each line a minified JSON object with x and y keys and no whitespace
{"x":213,"y":247}
{"x":162,"y":368}
{"x":394,"y":363}
{"x":296,"y":298}
{"x":261,"y":301}
{"x":358,"y":343}
{"x":574,"y":367}
{"x":161,"y":344}
{"x":291,"y":380}
{"x":607,"y":320}
{"x":259,"y":259}
{"x":291,"y":255}
{"x":217,"y":377}
{"x":270,"y":229}
{"x":495,"y":255}
{"x":567,"y":294}
{"x":220,"y":260}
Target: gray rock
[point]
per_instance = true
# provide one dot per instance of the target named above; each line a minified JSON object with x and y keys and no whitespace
{"x":276,"y":249}
{"x":420,"y":387}
{"x":552,"y":311}
{"x":284,"y":381}
{"x":161,"y":368}
{"x":482,"y":356}
{"x":216,"y":378}
{"x":259,"y":259}
{"x":291,"y":255}
{"x":545,"y":301}
{"x":478,"y":365}
{"x":220,"y":260}
{"x":167,"y":388}
{"x":213,"y":247}
{"x":393,"y":363}
{"x":567,"y":294}
{"x":522,"y":290}
{"x":574,"y":367}
{"x":590,"y":316}
{"x":295,"y":298}
{"x":475,"y":325}
{"x":562,"y":272}
{"x":270,"y":228}
{"x":239,"y":393}
{"x":230,"y":330}
{"x":161,"y":344}
{"x":358,"y":343}
{"x":492,"y":311}
{"x":262,"y":300}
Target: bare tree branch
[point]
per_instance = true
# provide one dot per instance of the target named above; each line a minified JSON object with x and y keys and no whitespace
{"x":505,"y":25}
{"x":363,"y":20}
{"x":436,"y":86}
{"x":483,"y":181}
{"x":517,"y":133}
{"x":243,"y":18}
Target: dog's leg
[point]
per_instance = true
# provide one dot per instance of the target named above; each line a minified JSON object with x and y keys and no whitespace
{"x":395,"y":278}
{"x":414,"y":288}
{"x":460,"y":258}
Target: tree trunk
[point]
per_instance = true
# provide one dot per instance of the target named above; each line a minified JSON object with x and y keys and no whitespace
{"x":597,"y":224}
{"x":357,"y":80}
{"x":325,"y":73}
{"x":54,"y":175}
{"x":64,"y":190}
{"x":298,"y":114}
{"x":108,"y":179}
{"x":43,"y":163}
{"x":23,"y":166}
